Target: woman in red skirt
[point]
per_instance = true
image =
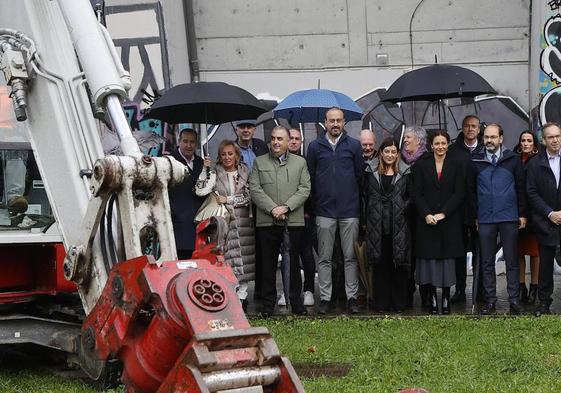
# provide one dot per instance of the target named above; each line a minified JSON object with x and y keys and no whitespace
{"x":527,"y":244}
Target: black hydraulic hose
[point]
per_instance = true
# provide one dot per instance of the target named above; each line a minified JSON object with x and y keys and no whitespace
{"x":112,"y":246}
{"x":102,"y":241}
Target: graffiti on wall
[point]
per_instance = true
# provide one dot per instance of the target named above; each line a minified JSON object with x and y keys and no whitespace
{"x":554,"y":4}
{"x":550,"y":62}
{"x":143,"y":52}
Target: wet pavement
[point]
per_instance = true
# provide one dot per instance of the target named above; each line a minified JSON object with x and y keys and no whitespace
{"x":465,"y":308}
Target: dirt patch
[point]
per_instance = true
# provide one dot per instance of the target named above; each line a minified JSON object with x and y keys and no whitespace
{"x":316,"y":370}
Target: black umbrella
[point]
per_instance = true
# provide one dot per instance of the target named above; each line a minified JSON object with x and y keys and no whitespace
{"x":437,"y":82}
{"x":205,"y":103}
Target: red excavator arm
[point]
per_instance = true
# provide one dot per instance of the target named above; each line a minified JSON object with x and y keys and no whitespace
{"x":179,"y":327}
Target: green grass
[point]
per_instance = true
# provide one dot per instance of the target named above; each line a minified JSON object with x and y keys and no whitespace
{"x":456,"y":354}
{"x":452,"y":354}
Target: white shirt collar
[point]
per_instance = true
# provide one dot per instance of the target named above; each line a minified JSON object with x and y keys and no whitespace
{"x":336,"y":139}
{"x":188,"y":161}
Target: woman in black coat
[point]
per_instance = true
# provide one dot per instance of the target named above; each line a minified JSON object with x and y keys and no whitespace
{"x":386,"y":199}
{"x":527,"y":148}
{"x":438,"y":189}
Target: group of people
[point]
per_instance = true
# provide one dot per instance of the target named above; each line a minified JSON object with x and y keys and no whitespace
{"x":419,"y":206}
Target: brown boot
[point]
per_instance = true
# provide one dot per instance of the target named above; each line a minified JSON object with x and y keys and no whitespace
{"x":17,"y":204}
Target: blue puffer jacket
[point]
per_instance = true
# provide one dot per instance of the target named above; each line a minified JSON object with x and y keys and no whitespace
{"x":336,"y":176}
{"x":497,"y":193}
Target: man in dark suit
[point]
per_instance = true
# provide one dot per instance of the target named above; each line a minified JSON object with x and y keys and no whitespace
{"x":184,"y":202}
{"x":466,"y":145}
{"x":544,"y":197}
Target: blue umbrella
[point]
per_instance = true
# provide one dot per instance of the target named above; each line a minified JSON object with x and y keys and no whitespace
{"x":309,"y":106}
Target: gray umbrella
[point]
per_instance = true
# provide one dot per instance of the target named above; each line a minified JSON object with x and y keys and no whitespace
{"x":388,"y":119}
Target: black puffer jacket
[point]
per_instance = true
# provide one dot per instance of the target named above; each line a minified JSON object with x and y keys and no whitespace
{"x":373,"y":211}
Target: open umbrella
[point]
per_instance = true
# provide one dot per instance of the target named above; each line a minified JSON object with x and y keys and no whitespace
{"x":310,"y":106}
{"x":205,"y":103}
{"x":437,"y":82}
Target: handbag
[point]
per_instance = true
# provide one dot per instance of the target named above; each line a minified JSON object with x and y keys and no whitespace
{"x":211,"y":208}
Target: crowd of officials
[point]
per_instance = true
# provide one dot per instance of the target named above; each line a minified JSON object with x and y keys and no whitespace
{"x":419,"y":204}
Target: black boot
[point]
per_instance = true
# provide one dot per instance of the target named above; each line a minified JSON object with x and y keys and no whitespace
{"x":532,"y":294}
{"x":523,"y":293}
{"x":433,"y":301}
{"x":446,"y":300}
{"x":425,"y":291}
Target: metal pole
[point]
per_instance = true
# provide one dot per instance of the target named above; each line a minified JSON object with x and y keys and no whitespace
{"x":129,"y":146}
{"x":303,"y":139}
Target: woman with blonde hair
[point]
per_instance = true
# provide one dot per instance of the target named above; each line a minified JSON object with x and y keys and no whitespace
{"x":229,"y":180}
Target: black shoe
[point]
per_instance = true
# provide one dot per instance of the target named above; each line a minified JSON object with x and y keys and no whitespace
{"x":352,"y":306}
{"x":446,"y":300}
{"x":532,"y":294}
{"x":299,"y":310}
{"x":266,"y":314}
{"x":244,"y":305}
{"x":458,"y":297}
{"x":425,"y":292}
{"x":433,"y":301}
{"x":489,"y":309}
{"x":523,"y":293}
{"x":543,"y":309}
{"x":515,"y":309}
{"x":324,"y":307}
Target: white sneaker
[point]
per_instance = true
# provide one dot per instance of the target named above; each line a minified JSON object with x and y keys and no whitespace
{"x":282,"y":300}
{"x":308,"y":299}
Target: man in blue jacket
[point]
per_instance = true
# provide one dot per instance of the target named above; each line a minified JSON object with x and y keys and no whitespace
{"x":335,"y":164}
{"x":497,"y":192}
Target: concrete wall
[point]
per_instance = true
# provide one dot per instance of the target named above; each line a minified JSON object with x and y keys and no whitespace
{"x":356,"y":45}
{"x":353,"y":46}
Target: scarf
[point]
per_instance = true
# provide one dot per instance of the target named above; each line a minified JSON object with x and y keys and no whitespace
{"x":410,"y":158}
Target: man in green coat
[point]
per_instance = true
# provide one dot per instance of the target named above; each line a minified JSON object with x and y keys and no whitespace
{"x":279,"y":184}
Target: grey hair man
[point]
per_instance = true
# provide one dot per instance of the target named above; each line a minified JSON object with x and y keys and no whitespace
{"x":368,"y":144}
{"x":544,"y":196}
{"x":279,"y":184}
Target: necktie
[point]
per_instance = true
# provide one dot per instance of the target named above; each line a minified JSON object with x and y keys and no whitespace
{"x":494,"y":159}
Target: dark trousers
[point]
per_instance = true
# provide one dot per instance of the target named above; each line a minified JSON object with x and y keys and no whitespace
{"x":258,"y":259}
{"x":306,"y":254}
{"x":390,"y":282}
{"x":184,"y":254}
{"x":271,"y":239}
{"x":488,"y":243}
{"x":470,"y":240}
{"x":545,"y":280}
